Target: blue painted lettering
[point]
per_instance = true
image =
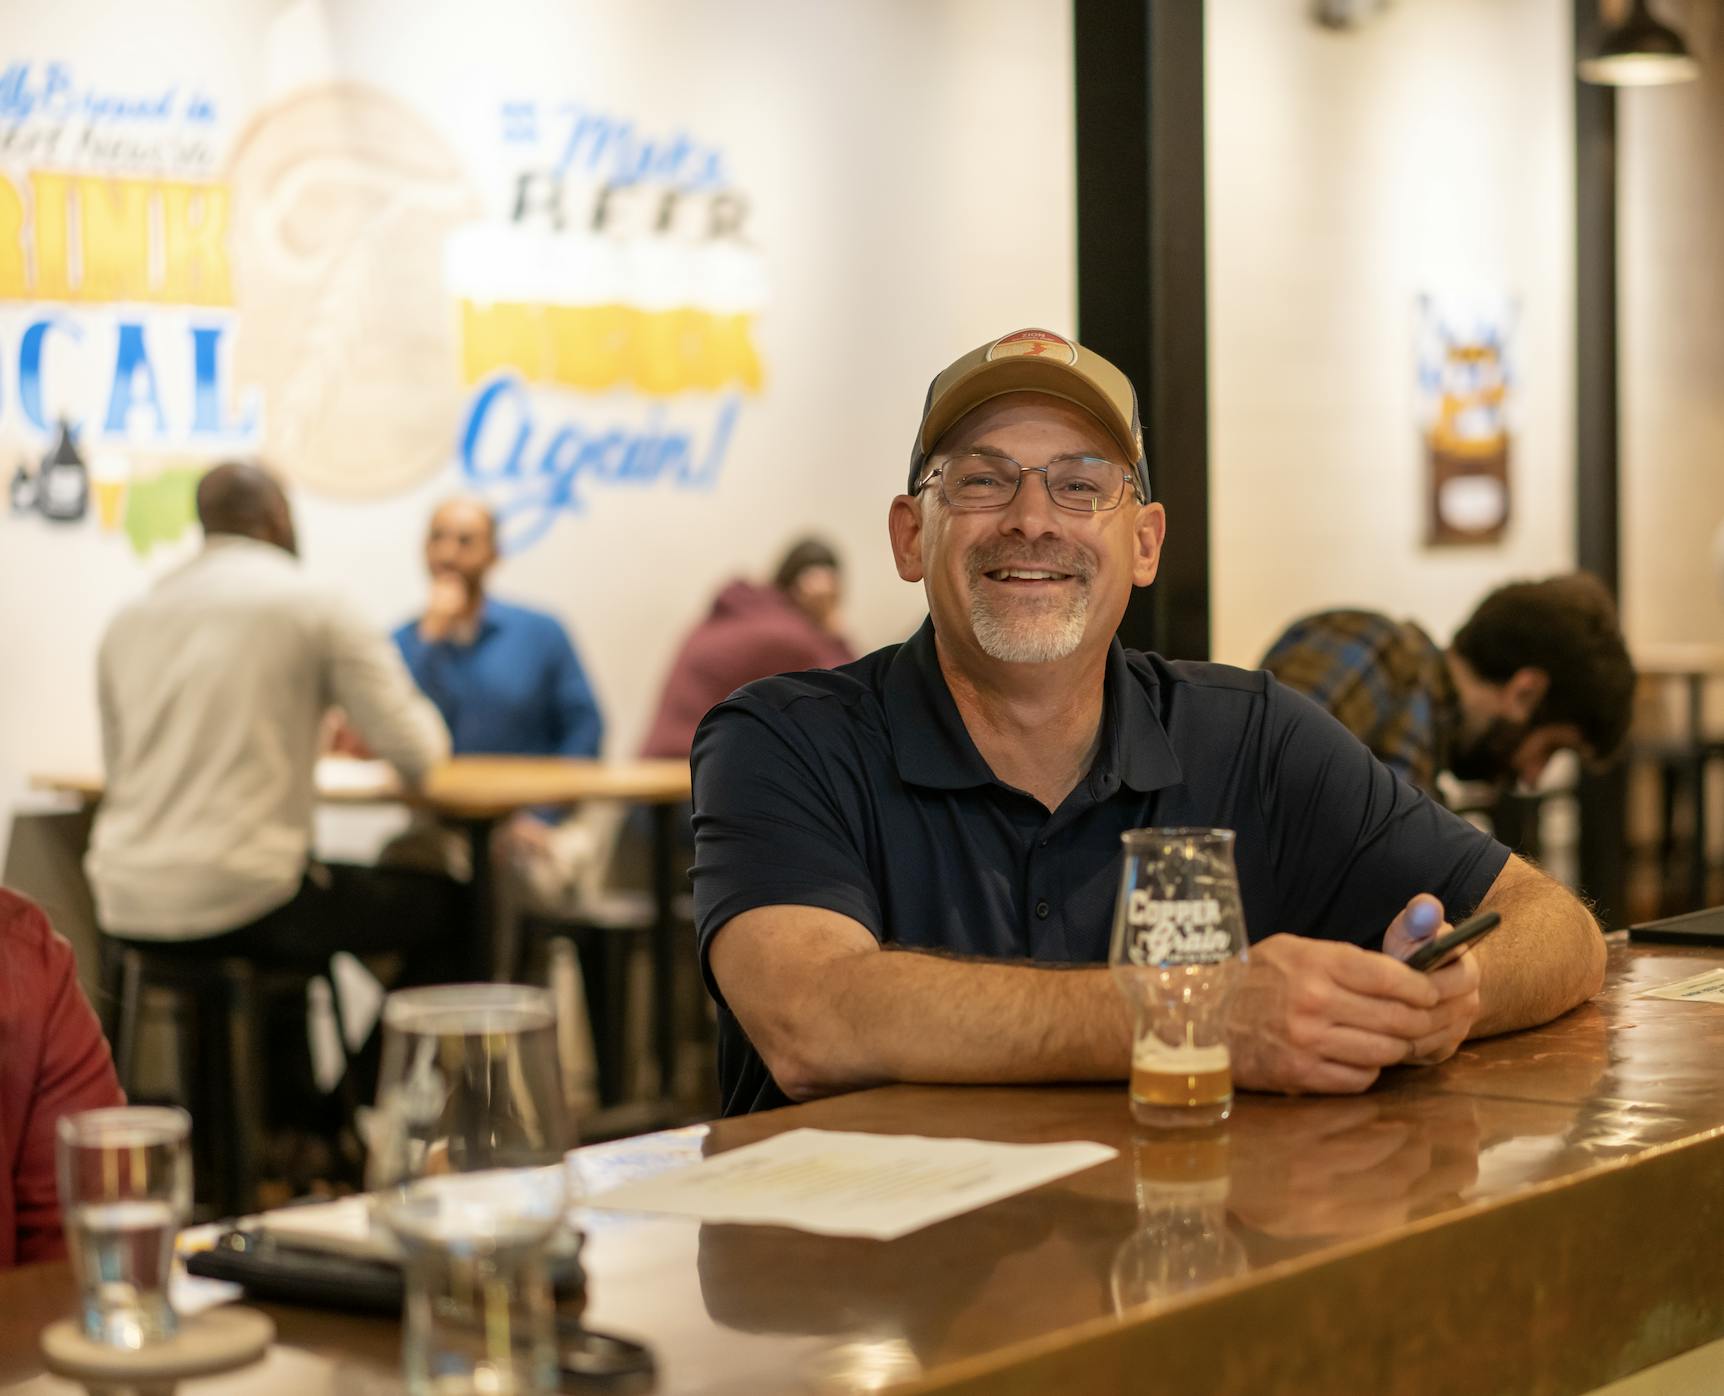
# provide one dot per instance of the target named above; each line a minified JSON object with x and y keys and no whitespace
{"x":131,"y":358}
{"x":30,"y":367}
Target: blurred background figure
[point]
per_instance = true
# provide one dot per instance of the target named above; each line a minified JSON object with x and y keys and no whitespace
{"x":508,"y":682}
{"x":506,"y":678}
{"x":752,"y":631}
{"x":54,"y":1061}
{"x":212,"y":689}
{"x":1538,"y":668}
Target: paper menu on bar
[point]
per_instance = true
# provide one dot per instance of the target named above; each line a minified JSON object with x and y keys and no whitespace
{"x":839,"y":1183}
{"x":1705,"y":987}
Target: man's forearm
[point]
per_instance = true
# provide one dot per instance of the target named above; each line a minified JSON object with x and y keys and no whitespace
{"x":1548,"y":956}
{"x":903,"y":1016}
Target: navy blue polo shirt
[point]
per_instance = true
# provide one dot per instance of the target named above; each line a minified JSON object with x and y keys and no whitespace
{"x":859,"y":790}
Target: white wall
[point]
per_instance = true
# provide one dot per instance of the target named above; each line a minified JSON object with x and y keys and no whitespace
{"x":1429,"y":150}
{"x":904,"y":207}
{"x":1671,"y":289}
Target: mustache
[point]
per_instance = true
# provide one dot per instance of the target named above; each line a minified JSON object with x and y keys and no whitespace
{"x":1054,"y":557}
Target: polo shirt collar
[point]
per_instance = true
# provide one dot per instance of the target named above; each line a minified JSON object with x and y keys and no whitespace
{"x":1141,"y":748}
{"x":930,"y":743}
{"x":932,"y":748}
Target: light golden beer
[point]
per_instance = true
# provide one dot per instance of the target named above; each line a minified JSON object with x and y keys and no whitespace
{"x":1180,"y":1086}
{"x":1153,"y":1087}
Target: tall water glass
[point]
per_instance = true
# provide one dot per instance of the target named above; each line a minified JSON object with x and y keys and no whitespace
{"x":125,"y":1179}
{"x":467,"y":1152}
{"x":1178,"y":951}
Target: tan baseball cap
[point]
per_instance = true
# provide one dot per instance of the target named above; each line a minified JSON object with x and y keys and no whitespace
{"x":1038,"y":361}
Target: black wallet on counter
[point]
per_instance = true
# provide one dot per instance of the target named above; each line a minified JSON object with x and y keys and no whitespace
{"x":270,"y":1269}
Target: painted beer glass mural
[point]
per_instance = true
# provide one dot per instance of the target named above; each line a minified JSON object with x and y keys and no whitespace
{"x":1178,"y":950}
{"x":1465,"y":394}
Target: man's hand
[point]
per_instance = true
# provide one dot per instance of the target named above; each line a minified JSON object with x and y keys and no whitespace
{"x":1322,"y":1015}
{"x":1457,"y":982}
{"x":337,"y":738}
{"x":446,"y":604}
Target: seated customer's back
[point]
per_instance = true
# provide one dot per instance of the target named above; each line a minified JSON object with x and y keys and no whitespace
{"x":213,"y":689}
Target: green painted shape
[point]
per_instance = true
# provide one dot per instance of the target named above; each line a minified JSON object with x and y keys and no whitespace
{"x":159,"y":508}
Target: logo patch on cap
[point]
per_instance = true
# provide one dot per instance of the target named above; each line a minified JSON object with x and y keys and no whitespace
{"x":1034,"y":344}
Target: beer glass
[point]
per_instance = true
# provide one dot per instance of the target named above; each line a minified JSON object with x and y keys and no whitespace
{"x":125,"y":1179}
{"x":1178,"y":950}
{"x":467,"y":1151}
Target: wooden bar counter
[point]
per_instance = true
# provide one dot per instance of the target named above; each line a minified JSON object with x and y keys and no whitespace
{"x":1543,"y":1214}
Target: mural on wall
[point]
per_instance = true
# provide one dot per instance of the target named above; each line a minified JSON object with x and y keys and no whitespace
{"x":1466,"y":380}
{"x":323,"y":283}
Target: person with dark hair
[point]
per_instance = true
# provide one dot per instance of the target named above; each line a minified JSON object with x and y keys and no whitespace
{"x":1538,"y":668}
{"x":55,"y":1062}
{"x":906,"y":868}
{"x":751,"y":632}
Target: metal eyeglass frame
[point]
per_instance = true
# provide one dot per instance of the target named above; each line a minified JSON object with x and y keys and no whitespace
{"x":939,"y":471}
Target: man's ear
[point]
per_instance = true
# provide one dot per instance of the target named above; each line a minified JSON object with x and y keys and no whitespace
{"x":1149,"y":531}
{"x":1523,"y":691}
{"x":904,"y":524}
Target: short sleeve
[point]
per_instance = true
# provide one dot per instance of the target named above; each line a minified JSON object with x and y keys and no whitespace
{"x":1350,"y":843}
{"x":770,"y":825}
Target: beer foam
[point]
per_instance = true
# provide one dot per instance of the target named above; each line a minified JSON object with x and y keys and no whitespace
{"x":1187,"y":1059}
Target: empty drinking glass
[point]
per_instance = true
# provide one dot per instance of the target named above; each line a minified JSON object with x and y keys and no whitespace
{"x":125,"y":1180}
{"x":467,"y":1150}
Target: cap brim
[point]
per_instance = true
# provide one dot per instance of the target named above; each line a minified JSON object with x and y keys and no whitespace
{"x":996,"y":378}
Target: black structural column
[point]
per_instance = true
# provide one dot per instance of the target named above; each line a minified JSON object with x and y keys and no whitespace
{"x":1603,"y":798}
{"x":1141,"y":274}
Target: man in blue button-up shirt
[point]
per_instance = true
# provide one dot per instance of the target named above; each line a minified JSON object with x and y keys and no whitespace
{"x":506,"y":678}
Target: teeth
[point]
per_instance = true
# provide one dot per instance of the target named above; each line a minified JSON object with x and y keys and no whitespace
{"x":1029,"y":576}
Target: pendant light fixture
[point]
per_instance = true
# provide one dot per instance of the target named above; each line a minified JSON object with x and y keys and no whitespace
{"x":1640,"y":52}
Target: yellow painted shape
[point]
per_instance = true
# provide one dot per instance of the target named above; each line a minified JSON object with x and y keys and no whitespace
{"x":115,"y":220}
{"x":195,"y":263}
{"x":50,"y":233}
{"x":593,"y":348}
{"x":13,"y":285}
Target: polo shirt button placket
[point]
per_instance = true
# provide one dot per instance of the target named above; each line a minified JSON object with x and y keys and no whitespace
{"x":1042,"y":909}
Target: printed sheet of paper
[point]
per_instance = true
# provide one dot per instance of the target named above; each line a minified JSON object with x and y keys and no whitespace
{"x":1707,"y":987}
{"x":843,"y":1184}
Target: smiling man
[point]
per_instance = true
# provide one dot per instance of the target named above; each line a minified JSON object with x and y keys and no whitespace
{"x":905,"y":868}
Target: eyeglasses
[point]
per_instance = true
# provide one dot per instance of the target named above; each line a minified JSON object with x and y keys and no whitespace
{"x":974,"y":481}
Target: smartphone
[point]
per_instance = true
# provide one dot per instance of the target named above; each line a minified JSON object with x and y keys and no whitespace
{"x":1432,"y":953}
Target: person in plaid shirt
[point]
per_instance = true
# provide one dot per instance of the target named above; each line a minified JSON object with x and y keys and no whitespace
{"x":1539,"y":667}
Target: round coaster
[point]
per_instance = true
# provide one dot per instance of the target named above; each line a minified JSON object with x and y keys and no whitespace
{"x":212,"y":1341}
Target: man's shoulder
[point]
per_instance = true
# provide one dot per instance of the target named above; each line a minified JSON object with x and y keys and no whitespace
{"x":235,"y":582}
{"x":813,"y":709}
{"x":524,"y":620}
{"x":1171,"y":675}
{"x":23,"y":924}
{"x":816,"y":695}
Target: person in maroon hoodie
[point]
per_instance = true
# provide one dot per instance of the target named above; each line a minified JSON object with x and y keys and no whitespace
{"x":753,"y":631}
{"x":53,"y":1061}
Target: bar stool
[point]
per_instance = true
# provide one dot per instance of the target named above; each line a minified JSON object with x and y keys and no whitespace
{"x":606,"y":937}
{"x":221,"y":1072}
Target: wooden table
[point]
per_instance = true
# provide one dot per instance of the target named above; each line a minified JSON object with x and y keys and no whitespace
{"x":476,"y":792}
{"x":1540,"y":1215}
